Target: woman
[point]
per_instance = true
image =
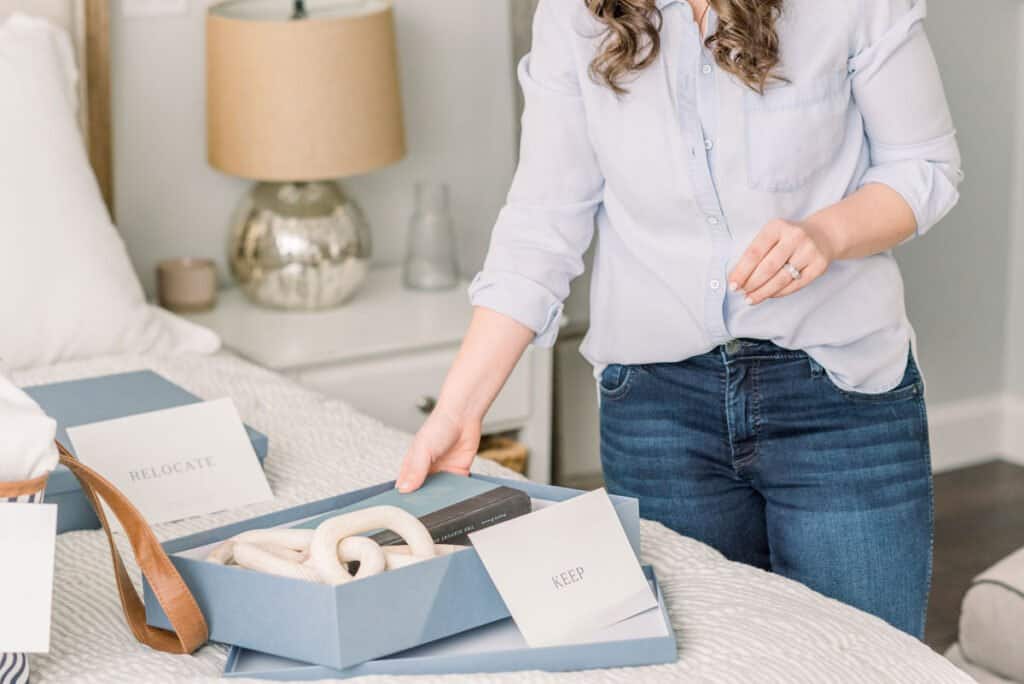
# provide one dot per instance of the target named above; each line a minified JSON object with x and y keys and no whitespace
{"x":748,"y":165}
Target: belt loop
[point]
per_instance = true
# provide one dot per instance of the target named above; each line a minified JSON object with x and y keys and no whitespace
{"x":816,"y":368}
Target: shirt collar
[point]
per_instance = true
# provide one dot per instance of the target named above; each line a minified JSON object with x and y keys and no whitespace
{"x":712,"y":17}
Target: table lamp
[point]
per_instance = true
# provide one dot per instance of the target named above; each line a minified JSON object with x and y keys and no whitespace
{"x":298,"y":94}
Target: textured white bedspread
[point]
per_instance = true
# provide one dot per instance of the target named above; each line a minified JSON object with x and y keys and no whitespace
{"x":734,"y":623}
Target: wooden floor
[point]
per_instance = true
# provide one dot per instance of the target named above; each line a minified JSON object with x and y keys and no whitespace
{"x":979,"y":519}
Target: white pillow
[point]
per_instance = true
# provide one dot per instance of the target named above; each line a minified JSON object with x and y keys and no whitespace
{"x":67,"y":288}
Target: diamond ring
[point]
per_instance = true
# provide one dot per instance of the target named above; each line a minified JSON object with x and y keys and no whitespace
{"x":792,"y":270}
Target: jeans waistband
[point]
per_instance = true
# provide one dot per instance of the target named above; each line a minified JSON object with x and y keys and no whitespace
{"x":748,"y":348}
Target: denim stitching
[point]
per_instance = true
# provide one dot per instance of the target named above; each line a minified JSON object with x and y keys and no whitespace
{"x":622,"y":389}
{"x":755,"y":400}
{"x":756,"y":371}
{"x":926,"y":449}
{"x":769,"y":356}
{"x":725,"y":406}
{"x":627,"y":383}
{"x":897,"y":394}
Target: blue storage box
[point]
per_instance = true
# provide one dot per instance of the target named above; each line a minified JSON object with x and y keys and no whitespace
{"x":647,"y":639}
{"x":91,"y":400}
{"x":342,"y":626}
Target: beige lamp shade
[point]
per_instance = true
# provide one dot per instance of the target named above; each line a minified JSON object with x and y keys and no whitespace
{"x":302,"y":99}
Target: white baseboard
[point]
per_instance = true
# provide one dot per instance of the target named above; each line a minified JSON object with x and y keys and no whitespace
{"x":975,"y":430}
{"x":1013,"y":430}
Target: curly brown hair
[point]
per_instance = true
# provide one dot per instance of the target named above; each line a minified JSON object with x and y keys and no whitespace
{"x":745,"y":44}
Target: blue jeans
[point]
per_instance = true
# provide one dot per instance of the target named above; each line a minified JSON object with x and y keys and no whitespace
{"x":753,"y":450}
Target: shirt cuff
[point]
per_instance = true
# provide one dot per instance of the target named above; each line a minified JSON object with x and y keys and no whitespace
{"x":522,"y":300}
{"x":929,"y":192}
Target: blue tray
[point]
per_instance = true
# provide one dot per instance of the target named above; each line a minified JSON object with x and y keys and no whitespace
{"x":498,"y":647}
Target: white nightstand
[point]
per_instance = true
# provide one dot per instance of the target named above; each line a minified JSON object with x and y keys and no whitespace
{"x":386,"y":353}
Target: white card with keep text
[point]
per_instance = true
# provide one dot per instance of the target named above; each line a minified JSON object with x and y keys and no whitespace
{"x":178,"y":462}
{"x":566,"y":570}
{"x":28,"y":533}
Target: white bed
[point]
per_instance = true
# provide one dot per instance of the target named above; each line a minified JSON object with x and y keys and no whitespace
{"x":733,"y":623}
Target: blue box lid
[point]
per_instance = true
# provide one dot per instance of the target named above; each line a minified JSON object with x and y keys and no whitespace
{"x":91,"y":400}
{"x":497,"y":647}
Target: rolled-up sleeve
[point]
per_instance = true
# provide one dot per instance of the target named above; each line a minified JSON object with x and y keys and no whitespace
{"x":899,"y":92}
{"x":547,"y":222}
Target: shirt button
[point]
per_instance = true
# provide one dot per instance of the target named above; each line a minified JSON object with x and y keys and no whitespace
{"x":706,"y":69}
{"x":712,"y":220}
{"x":715,"y":284}
{"x":708,"y":144}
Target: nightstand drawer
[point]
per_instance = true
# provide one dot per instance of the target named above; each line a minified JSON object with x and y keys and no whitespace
{"x":400,"y":391}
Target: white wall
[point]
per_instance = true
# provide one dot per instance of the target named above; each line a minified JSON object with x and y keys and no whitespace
{"x":1014,"y":402}
{"x":979,"y":276}
{"x":1014,"y":361}
{"x":956,"y":276}
{"x":458,"y":95}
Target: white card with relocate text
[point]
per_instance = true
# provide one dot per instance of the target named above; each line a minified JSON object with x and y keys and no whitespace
{"x":28,"y":532}
{"x":177,"y":462}
{"x":565,"y":571}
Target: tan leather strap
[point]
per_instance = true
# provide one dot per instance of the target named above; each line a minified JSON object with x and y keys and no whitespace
{"x":189,"y":625}
{"x":12,"y":490}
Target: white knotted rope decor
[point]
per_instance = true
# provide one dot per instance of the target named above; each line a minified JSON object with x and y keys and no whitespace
{"x":322,"y":555}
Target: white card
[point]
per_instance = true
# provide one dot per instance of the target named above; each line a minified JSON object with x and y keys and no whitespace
{"x":565,"y":571}
{"x":28,"y":532}
{"x":178,"y":462}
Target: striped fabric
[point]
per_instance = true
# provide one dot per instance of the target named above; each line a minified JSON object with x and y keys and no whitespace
{"x":31,"y":498}
{"x":14,"y":668}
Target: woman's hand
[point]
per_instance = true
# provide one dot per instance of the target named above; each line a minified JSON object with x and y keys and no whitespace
{"x":450,"y":436}
{"x":762,"y":271}
{"x":444,"y":442}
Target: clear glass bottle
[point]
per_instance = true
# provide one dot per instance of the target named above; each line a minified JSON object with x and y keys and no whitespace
{"x":430,"y":262}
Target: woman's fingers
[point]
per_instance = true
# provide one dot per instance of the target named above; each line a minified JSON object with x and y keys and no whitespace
{"x":767,"y":273}
{"x":414,"y":469}
{"x":775,"y":285}
{"x":443,"y":442}
{"x":761,"y":272}
{"x":762,"y":244}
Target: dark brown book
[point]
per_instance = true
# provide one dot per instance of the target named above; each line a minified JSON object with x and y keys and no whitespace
{"x":452,"y":524}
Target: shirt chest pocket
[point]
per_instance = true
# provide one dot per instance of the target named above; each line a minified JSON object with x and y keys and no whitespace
{"x":795,"y":130}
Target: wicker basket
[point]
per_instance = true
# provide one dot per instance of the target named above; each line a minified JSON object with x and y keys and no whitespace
{"x":505,"y":451}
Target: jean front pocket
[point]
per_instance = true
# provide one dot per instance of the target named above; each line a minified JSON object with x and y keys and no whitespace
{"x":911,"y":386}
{"x":615,"y":380}
{"x":795,"y":130}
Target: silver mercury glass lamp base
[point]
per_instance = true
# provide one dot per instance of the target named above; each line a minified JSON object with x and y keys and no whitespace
{"x":299,"y":245}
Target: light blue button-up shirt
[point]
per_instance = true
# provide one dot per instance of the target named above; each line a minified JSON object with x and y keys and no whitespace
{"x":679,"y":175}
